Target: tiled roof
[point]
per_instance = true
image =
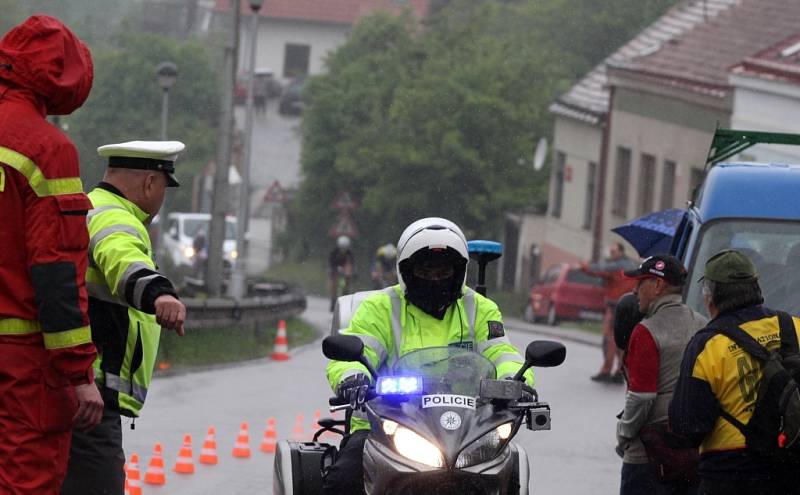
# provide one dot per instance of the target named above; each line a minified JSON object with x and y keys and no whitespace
{"x":702,"y":58}
{"x":588,"y":99}
{"x":780,"y":62}
{"x":331,"y":11}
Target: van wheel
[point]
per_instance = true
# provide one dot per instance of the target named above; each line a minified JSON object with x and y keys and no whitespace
{"x":528,"y":314}
{"x":552,"y":318}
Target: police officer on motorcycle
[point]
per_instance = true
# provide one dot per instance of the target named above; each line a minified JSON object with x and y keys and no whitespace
{"x":434,"y":308}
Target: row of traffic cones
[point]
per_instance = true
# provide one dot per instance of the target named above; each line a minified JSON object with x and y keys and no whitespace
{"x":156,"y":474}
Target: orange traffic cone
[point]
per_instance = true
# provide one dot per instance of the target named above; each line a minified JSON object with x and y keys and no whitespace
{"x":155,"y":470}
{"x":125,"y":470}
{"x":298,"y":434}
{"x":185,"y":464}
{"x":270,"y":440}
{"x":280,"y":351}
{"x":315,"y":422}
{"x":208,"y":454}
{"x":134,"y":483}
{"x":242,"y":446}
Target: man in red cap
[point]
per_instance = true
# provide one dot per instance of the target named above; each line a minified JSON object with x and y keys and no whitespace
{"x":652,"y":362}
{"x":46,"y":380}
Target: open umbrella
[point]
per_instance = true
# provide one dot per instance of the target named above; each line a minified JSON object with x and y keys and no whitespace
{"x":652,"y":233}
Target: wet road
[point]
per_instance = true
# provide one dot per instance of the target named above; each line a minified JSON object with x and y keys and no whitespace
{"x":576,"y":457}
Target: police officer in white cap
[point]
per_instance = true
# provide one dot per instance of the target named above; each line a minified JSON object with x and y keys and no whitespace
{"x":129,"y":303}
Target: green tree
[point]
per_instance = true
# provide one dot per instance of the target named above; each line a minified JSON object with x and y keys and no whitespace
{"x":125,"y":104}
{"x":443,"y":119}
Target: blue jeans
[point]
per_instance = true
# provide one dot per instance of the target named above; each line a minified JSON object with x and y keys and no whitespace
{"x":641,"y":479}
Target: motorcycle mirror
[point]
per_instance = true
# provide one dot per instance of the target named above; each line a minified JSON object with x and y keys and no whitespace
{"x":545,"y":353}
{"x":346,"y":348}
{"x":542,"y":354}
{"x":342,"y":347}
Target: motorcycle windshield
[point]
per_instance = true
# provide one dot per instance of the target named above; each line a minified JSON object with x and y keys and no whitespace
{"x":447,"y":370}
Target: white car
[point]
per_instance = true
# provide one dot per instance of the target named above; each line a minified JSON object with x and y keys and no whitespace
{"x":177,"y":239}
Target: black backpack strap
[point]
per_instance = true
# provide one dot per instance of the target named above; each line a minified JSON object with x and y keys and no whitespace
{"x":752,"y":347}
{"x":735,"y":422}
{"x":788,"y":332}
{"x":745,"y":341}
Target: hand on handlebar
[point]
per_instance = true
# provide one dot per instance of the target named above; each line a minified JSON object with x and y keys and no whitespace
{"x":353,"y":390}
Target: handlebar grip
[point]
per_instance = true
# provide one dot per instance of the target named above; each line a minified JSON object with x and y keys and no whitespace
{"x":337,"y":401}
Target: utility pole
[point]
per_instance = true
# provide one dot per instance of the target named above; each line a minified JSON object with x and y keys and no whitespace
{"x":219,"y":200}
{"x":238,"y":286}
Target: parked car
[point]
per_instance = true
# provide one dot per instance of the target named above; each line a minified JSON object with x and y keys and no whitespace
{"x":292,"y":98}
{"x":177,"y":239}
{"x":566,"y":293}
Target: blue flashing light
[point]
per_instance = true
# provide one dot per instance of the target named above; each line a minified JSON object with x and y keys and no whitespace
{"x":488,"y":247}
{"x":399,"y":385}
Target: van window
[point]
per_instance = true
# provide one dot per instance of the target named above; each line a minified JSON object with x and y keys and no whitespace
{"x":193,"y":225}
{"x":773,"y":246}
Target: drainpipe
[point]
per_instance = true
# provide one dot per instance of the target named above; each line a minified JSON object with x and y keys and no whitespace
{"x":600,"y":200}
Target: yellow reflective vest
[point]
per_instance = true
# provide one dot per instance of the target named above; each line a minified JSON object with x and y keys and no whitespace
{"x":391,"y":327}
{"x":123,"y":284}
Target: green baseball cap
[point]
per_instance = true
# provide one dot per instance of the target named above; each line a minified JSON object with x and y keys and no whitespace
{"x":730,"y":267}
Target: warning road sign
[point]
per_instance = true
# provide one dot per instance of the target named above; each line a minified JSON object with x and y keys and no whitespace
{"x":344,"y":202}
{"x":344,"y":225}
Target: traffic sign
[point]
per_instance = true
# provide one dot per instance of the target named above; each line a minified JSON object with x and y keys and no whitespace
{"x":343,"y":202}
{"x":344,"y":225}
{"x":275,"y":194}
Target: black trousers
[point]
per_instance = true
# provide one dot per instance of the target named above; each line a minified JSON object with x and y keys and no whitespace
{"x":96,"y":459}
{"x":787,"y":486}
{"x":346,"y":475}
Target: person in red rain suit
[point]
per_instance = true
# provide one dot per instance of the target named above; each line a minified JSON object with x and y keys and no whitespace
{"x":46,"y":351}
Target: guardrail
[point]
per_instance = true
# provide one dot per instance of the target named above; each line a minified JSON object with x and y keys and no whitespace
{"x":219,"y":312}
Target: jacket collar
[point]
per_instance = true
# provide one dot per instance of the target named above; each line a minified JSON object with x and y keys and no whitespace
{"x":663,"y":301}
{"x":119,"y":198}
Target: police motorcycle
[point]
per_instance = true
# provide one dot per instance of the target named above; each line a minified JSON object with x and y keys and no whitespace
{"x":441,"y":423}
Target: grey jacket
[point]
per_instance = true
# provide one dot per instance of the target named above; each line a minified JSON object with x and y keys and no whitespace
{"x":671,"y":324}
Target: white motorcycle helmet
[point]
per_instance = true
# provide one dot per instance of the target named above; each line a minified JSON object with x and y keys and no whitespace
{"x":343,"y":242}
{"x":432,"y":239}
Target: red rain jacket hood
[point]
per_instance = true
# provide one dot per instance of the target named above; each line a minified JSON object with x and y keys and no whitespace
{"x":42,"y":55}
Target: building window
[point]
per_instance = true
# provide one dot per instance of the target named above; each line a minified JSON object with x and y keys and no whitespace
{"x":622,"y":176}
{"x":588,"y":208}
{"x":295,"y":60}
{"x":647,"y":178}
{"x":695,"y":179}
{"x":668,"y":185}
{"x":558,"y":190}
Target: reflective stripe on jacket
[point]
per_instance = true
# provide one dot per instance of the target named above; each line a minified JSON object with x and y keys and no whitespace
{"x":386,"y":322}
{"x":120,"y":271}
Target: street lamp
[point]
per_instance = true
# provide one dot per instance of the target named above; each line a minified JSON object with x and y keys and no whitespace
{"x":166,"y":72}
{"x":238,"y":277}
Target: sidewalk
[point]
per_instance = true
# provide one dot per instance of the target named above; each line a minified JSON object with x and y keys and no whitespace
{"x":561,"y":332}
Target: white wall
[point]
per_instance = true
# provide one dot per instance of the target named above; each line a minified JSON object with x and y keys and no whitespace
{"x":760,"y":105}
{"x":274,"y":34}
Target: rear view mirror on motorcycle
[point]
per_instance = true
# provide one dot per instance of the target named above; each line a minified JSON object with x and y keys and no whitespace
{"x":346,"y":348}
{"x":542,"y":354}
{"x":342,"y":347}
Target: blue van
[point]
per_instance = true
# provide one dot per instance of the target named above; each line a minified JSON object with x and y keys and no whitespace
{"x":752,"y":207}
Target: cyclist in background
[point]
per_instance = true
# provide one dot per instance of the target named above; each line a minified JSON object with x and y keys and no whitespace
{"x":341,"y":266}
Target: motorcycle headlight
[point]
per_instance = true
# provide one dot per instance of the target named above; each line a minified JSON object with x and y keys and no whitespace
{"x":188,"y":251}
{"x":485,"y":448}
{"x":234,"y":254}
{"x":413,"y":446}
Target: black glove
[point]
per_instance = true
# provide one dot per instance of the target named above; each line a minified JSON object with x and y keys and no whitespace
{"x":353,"y":389}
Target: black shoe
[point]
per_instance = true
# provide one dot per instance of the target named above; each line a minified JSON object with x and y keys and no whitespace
{"x":618,"y":377}
{"x":602,"y":377}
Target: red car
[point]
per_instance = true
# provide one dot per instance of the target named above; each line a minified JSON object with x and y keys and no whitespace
{"x":566,"y":293}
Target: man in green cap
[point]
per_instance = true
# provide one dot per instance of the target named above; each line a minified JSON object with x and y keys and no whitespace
{"x":719,"y":380}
